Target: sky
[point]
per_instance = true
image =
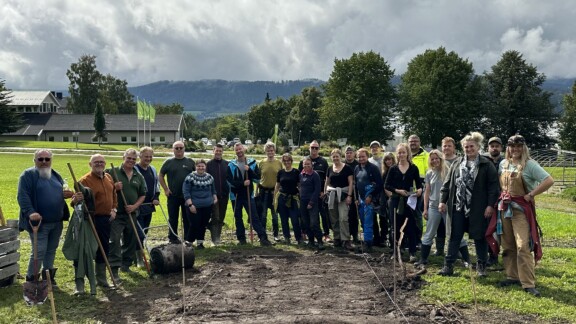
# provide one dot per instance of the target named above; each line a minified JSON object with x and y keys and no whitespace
{"x":143,"y":41}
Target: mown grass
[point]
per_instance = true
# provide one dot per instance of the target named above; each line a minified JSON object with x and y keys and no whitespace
{"x":556,"y":275}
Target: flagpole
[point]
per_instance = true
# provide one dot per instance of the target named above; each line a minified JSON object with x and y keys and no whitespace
{"x":150,"y":125}
{"x":137,"y":123}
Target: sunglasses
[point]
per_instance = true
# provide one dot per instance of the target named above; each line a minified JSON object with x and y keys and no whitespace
{"x":179,"y":148}
{"x":43,"y":159}
{"x":314,"y":147}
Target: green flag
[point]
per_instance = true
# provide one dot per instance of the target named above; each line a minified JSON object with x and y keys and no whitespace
{"x":141,"y":109}
{"x":275,"y":135}
{"x":151,"y":113}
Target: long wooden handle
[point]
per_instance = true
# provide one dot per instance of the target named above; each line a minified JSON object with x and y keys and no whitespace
{"x":92,"y":226}
{"x":132,"y":223}
{"x":51,"y":296}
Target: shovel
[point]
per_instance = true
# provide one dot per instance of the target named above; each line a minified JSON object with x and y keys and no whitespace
{"x":35,"y":292}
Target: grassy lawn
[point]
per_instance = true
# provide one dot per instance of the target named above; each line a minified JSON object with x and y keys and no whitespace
{"x":556,"y":274}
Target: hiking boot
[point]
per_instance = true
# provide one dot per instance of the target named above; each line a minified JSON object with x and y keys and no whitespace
{"x":265,"y":242}
{"x":347,"y":245}
{"x":447,"y":270}
{"x":242,"y":242}
{"x":101,"y":275}
{"x":509,"y":282}
{"x":337,"y":243}
{"x":424,"y":253}
{"x":481,"y":269}
{"x":52,"y":275}
{"x":116,"y":276}
{"x":440,"y":243}
{"x":200,"y":246}
{"x":79,"y":286}
{"x":533,"y":291}
{"x":320,"y":246}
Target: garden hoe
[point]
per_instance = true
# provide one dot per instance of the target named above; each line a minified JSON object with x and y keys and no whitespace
{"x":35,"y":292}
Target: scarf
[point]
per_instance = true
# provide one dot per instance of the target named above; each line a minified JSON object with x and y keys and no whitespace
{"x":465,"y":184}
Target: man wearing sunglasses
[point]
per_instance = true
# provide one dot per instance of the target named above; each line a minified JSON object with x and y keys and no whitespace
{"x":176,"y":169}
{"x":41,"y":195}
{"x":320,"y":165}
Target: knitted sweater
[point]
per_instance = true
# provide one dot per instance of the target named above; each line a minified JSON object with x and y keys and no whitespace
{"x":199,"y":188}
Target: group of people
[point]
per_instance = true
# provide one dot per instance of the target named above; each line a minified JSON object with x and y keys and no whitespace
{"x":490,"y":197}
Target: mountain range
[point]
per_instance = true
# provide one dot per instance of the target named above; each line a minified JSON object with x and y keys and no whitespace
{"x":212,"y":98}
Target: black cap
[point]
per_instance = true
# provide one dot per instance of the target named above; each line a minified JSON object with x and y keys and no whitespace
{"x":516,"y":139}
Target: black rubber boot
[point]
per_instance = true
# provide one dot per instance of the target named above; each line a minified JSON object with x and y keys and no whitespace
{"x":424,"y":254}
{"x":440,"y":243}
{"x":447,"y":270}
{"x":465,"y":256}
{"x":481,"y":269}
{"x":52,"y":275}
{"x":101,"y":275}
{"x":79,"y":286}
{"x":116,"y":276}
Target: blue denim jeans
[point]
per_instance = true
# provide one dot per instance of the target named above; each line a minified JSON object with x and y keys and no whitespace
{"x":267,"y":199}
{"x":289,"y":213}
{"x":311,"y":221}
{"x":48,"y":239}
{"x":237,"y":206}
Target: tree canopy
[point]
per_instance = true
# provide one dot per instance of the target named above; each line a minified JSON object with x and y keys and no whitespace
{"x":359,"y":96}
{"x":439,"y":96}
{"x":516,"y":103}
{"x":302,"y":120}
{"x":10,"y":121}
{"x":567,"y":123}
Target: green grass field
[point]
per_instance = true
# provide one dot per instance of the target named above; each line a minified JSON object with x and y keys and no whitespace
{"x":556,"y":274}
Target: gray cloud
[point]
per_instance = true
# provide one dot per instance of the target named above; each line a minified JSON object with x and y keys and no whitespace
{"x":147,"y":41}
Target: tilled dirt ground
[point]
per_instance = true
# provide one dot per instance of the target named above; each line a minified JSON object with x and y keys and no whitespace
{"x":266,"y":285}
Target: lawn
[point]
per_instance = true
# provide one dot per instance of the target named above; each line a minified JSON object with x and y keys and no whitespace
{"x":555,"y":274}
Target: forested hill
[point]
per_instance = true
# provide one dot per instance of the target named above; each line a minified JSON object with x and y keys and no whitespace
{"x":209,"y":98}
{"x":213,"y":97}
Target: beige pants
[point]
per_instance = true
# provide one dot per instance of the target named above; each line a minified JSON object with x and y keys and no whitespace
{"x":339,"y":220}
{"x":518,"y":260}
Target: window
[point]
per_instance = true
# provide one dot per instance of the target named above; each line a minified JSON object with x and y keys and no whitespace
{"x":153,"y":140}
{"x":123,"y":139}
{"x":65,"y":139}
{"x":162,"y":139}
{"x":50,"y":138}
{"x":133,"y":139}
{"x":74,"y":138}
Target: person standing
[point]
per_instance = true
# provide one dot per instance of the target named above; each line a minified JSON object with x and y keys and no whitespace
{"x":320,"y":165}
{"x":123,"y":239}
{"x":495,"y":155}
{"x":287,"y":182}
{"x":420,"y":159}
{"x":217,"y":168}
{"x":41,"y":194}
{"x":437,"y":171}
{"x":269,"y":168}
{"x":387,"y":163}
{"x":449,"y":151}
{"x":242,"y":172}
{"x":353,"y":220}
{"x":310,"y":187}
{"x":368,"y":184}
{"x":105,"y":202}
{"x":176,"y":169}
{"x":403,"y":181}
{"x":200,"y":195}
{"x":380,"y":220}
{"x":339,"y":188}
{"x":468,"y":196}
{"x":152,"y":197}
{"x":521,"y":179}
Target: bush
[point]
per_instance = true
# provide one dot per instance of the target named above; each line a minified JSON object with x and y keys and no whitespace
{"x":569,"y":193}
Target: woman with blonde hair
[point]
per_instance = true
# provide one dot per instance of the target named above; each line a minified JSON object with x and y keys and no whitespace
{"x":437,"y":171}
{"x":468,"y":196}
{"x":388,"y":161}
{"x":403,"y":181}
{"x":521,"y":178}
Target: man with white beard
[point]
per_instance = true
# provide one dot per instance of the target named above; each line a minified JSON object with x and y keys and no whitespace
{"x":41,"y":195}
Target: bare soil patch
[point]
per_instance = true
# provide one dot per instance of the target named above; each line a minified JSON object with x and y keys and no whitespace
{"x":273,"y":285}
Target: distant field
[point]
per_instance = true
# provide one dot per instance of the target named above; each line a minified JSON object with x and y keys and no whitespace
{"x":65,"y":145}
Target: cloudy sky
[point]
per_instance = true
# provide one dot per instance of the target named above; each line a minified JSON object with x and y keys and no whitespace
{"x":144,"y":41}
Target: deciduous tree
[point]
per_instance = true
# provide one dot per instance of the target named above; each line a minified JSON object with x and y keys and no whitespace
{"x":439,"y":96}
{"x":567,"y":122}
{"x":516,"y":101}
{"x":84,"y":85}
{"x":359,"y":99}
{"x":302,"y":121}
{"x":99,"y":125}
